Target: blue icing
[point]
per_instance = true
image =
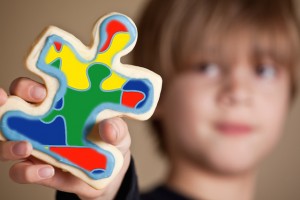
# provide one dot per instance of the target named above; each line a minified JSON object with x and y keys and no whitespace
{"x":59,"y":104}
{"x":97,"y":171}
{"x":45,"y":134}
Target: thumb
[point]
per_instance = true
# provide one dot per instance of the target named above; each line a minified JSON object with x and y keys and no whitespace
{"x":115,"y":132}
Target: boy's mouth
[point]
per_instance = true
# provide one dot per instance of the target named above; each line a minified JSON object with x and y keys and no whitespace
{"x":233,"y":128}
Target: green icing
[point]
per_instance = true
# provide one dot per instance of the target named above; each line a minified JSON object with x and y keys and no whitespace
{"x":84,"y":102}
{"x":56,"y":63}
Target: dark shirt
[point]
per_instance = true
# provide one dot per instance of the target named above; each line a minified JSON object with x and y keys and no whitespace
{"x":129,"y":190}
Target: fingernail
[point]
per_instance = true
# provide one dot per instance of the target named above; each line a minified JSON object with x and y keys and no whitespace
{"x":20,"y":149}
{"x":46,"y":172}
{"x":38,"y":92}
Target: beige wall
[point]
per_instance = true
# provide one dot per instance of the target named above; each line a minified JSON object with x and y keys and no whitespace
{"x":22,"y":21}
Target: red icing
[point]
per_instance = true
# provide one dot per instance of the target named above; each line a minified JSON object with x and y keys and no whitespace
{"x":113,"y":27}
{"x":84,"y":157}
{"x":131,"y":99}
{"x":57,"y":46}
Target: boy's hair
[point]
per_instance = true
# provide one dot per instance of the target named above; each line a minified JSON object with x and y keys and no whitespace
{"x":171,"y":31}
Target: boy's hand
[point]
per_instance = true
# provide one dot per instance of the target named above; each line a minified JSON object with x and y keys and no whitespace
{"x":31,"y":170}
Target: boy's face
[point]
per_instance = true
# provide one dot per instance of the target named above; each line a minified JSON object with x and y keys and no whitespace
{"x":226,"y":119}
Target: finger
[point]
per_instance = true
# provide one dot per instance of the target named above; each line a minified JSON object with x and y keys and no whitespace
{"x":35,"y":171}
{"x":28,"y":90}
{"x":14,"y":150}
{"x":64,"y":181}
{"x":3,"y":96}
{"x":27,"y":172}
{"x":115,"y":131}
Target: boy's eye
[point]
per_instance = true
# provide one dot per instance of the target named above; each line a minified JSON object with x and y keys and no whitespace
{"x":266,"y":71}
{"x":209,"y":69}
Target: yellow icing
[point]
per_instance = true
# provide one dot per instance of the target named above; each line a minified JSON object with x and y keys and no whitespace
{"x":119,"y":41}
{"x":75,"y":70}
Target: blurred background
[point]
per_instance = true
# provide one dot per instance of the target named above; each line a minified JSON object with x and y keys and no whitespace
{"x":22,"y":21}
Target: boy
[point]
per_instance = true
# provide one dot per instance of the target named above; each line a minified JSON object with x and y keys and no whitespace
{"x":229,"y":78}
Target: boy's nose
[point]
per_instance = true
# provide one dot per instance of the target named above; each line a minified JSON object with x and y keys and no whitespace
{"x":235,"y":89}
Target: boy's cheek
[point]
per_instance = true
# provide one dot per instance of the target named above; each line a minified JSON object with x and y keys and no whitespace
{"x":271,"y":118}
{"x":274,"y":121}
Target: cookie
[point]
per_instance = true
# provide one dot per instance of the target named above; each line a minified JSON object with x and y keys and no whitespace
{"x":84,"y":86}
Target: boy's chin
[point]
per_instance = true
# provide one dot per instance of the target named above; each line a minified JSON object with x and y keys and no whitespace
{"x":232,"y":165}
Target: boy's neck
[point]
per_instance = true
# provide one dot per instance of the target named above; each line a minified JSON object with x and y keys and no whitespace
{"x":199,"y":183}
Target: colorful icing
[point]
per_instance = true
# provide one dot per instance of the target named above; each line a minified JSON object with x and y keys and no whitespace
{"x":87,"y":87}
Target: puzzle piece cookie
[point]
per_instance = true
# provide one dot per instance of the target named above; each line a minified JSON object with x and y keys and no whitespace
{"x":85,"y":85}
